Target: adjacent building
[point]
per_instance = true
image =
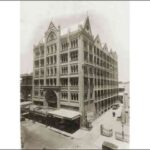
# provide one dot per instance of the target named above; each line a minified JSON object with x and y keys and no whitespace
{"x":123,"y":90}
{"x":73,"y":70}
{"x":26,"y":87}
{"x":124,"y":97}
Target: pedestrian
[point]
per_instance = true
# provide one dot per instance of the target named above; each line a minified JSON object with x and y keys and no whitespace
{"x":113,"y":114}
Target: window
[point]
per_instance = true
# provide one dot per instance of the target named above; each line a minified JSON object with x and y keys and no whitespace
{"x":36,"y":82}
{"x":91,"y":71}
{"x":51,"y":49}
{"x":51,"y":60}
{"x":91,"y":58}
{"x":85,"y":70}
{"x":47,"y":61}
{"x":36,"y":64}
{"x":55,"y":81}
{"x":91,"y":94}
{"x":41,"y":93}
{"x":97,"y":61}
{"x":90,"y":48}
{"x":64,"y":81}
{"x":55,"y":48}
{"x":47,"y":81}
{"x":74,"y":82}
{"x":41,"y":82}
{"x":55,"y":59}
{"x":36,"y":73}
{"x":64,"y":96}
{"x":36,"y":93}
{"x":86,"y":85}
{"x":86,"y":56}
{"x":42,"y":63}
{"x":74,"y":96}
{"x":94,"y":60}
{"x":74,"y":56}
{"x":74,"y":69}
{"x":42,"y":72}
{"x":95,"y":50}
{"x":51,"y":81}
{"x":51,"y":71}
{"x":64,"y":46}
{"x":85,"y":45}
{"x":85,"y":95}
{"x":48,"y":50}
{"x":64,"y":70}
{"x":98,"y":51}
{"x":42,"y":50}
{"x":55,"y":71}
{"x":74,"y":43}
{"x":37,"y":53}
{"x":64,"y":58}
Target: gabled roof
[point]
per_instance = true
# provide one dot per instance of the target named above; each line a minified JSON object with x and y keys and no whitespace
{"x":84,"y":24}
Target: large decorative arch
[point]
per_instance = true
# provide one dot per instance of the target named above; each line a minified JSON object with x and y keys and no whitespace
{"x":51,"y":98}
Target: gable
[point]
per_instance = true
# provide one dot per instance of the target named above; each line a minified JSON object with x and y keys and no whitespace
{"x":51,"y":36}
{"x":52,"y":26}
{"x":97,"y":40}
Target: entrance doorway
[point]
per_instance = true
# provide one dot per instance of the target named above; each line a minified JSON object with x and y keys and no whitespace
{"x":51,"y":98}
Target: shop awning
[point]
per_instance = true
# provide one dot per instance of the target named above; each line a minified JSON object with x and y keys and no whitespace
{"x":65,"y":113}
{"x":25,"y":103}
{"x":33,"y":107}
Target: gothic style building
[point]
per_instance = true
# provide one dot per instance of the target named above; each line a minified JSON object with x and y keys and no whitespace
{"x":73,"y":71}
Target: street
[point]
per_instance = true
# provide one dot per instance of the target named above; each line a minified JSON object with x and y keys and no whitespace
{"x":39,"y":136}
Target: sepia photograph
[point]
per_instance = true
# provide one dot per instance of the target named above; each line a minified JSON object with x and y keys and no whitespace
{"x":74,"y":75}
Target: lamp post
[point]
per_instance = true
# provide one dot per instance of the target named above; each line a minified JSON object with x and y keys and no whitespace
{"x":122,"y":122}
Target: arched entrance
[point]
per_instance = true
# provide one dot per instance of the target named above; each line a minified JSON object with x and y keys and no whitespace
{"x":51,"y":98}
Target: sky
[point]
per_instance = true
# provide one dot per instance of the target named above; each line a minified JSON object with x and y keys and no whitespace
{"x":109,"y":19}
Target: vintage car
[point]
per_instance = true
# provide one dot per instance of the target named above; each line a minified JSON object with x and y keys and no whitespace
{"x":109,"y":146}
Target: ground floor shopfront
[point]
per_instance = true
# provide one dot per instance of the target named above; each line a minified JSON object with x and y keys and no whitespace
{"x":62,"y":119}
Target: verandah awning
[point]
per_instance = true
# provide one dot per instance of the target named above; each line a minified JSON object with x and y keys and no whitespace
{"x":65,"y":113}
{"x":26,"y":103}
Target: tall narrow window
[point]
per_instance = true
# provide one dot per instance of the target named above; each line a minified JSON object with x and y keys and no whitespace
{"x":74,"y":55}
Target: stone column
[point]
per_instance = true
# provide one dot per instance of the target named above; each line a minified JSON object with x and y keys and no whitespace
{"x":81,"y":79}
{"x":69,"y":69}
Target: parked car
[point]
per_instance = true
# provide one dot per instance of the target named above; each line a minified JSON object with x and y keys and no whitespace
{"x":116,"y":106}
{"x":109,"y":146}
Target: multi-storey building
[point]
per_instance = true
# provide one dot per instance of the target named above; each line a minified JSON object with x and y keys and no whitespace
{"x":74,"y":71}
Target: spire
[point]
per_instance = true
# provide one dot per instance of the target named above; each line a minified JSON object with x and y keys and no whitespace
{"x":87,"y":25}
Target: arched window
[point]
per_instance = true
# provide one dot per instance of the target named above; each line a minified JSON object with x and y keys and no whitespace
{"x":52,"y":36}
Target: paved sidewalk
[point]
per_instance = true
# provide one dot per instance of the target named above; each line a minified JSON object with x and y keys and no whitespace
{"x":109,"y":122}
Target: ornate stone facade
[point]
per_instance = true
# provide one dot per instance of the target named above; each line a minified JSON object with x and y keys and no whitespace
{"x":75,"y":61}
